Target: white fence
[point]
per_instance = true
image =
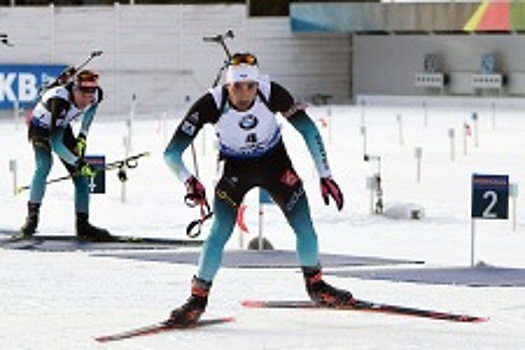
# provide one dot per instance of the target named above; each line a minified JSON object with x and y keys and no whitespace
{"x":157,"y":53}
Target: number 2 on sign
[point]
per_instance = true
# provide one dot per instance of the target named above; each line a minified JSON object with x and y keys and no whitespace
{"x":493,"y":197}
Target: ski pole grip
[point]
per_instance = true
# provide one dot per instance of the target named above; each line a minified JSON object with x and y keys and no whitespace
{"x":190,"y":230}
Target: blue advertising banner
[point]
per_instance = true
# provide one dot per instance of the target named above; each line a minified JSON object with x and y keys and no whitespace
{"x":21,"y":82}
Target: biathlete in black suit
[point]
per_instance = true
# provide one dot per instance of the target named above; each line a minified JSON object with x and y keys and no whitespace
{"x":50,"y":133}
{"x":243,"y":112}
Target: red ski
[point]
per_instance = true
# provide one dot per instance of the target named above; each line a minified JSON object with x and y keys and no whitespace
{"x":161,"y":327}
{"x":362,"y":305}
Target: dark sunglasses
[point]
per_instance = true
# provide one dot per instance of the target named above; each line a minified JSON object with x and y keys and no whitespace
{"x":246,"y":58}
{"x":87,"y":89}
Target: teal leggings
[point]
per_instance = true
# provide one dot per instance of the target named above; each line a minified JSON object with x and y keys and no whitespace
{"x":273,"y":172}
{"x":223,"y":225}
{"x":43,"y":164}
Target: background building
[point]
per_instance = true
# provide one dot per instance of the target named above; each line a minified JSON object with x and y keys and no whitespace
{"x":155,"y":58}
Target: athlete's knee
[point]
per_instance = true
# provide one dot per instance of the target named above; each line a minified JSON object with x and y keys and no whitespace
{"x":296,"y":202}
{"x":223,"y":222}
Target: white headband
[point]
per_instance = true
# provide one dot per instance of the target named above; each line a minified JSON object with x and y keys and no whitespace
{"x":242,"y":72}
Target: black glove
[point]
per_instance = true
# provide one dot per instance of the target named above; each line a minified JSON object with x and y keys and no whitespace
{"x":195,"y":192}
{"x":329,"y":188}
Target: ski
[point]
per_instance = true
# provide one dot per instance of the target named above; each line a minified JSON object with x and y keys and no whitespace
{"x":161,"y":327}
{"x":363,"y":305}
{"x":116,"y":239}
{"x":72,"y":242}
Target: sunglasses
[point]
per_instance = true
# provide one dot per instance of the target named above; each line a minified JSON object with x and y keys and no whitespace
{"x":246,"y":58}
{"x":87,"y":89}
{"x":86,"y":82}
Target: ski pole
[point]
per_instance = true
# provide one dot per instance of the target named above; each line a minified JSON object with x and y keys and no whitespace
{"x":129,"y":163}
{"x":205,"y":211}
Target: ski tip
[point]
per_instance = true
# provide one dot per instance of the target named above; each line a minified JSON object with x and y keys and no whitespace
{"x":480,"y":319}
{"x":104,"y":339}
{"x":469,"y":319}
{"x":252,"y":303}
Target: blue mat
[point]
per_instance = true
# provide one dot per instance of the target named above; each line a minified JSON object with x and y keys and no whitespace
{"x":256,"y":258}
{"x":485,"y":276}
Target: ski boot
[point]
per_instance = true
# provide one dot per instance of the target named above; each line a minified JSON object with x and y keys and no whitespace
{"x":190,"y":312}
{"x":322,"y":292}
{"x":90,"y":233}
{"x":29,"y":228}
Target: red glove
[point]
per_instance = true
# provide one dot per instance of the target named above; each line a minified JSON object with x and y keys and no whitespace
{"x":195,"y":192}
{"x":330,"y":189}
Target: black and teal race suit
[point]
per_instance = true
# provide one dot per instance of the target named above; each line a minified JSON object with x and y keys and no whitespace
{"x":251,"y":146}
{"x":50,"y":132}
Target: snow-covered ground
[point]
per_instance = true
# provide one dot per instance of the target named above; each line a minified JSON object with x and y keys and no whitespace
{"x":62,"y":300}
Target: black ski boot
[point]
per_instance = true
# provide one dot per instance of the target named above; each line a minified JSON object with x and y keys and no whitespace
{"x":90,"y":233}
{"x":190,"y":312}
{"x":29,"y":228}
{"x":323,"y":293}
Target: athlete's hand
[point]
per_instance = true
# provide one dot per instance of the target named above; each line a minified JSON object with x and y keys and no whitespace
{"x":80,"y":147}
{"x":85,"y":169}
{"x":195,"y":192}
{"x":329,"y":188}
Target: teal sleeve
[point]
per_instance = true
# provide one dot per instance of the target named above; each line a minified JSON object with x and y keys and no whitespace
{"x":60,"y":149}
{"x":203,"y":111}
{"x":173,"y":155}
{"x":87,"y":119}
{"x":314,"y":141}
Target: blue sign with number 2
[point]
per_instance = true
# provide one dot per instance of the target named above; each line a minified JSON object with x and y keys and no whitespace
{"x":490,"y":196}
